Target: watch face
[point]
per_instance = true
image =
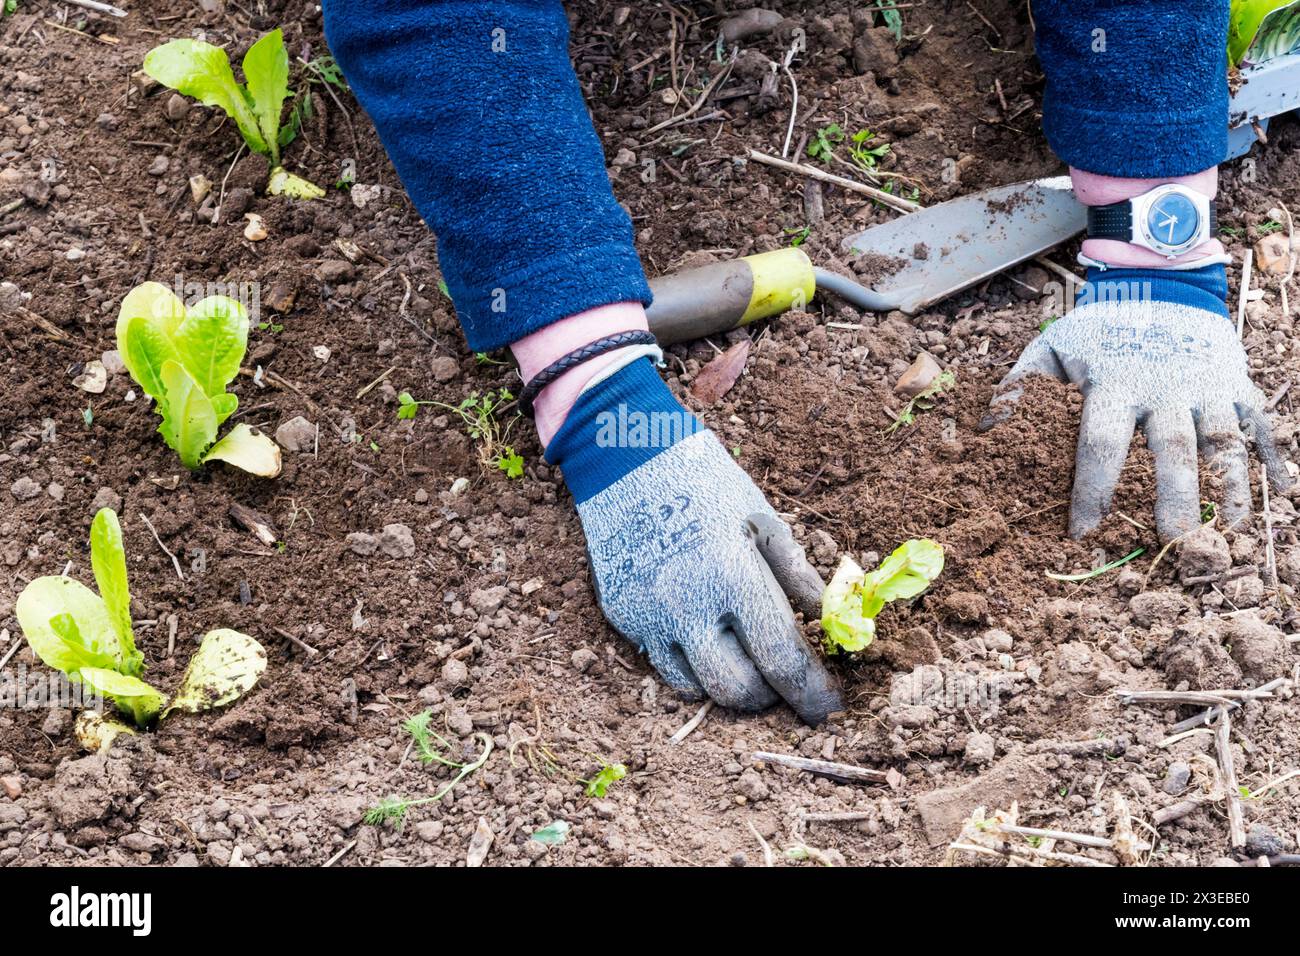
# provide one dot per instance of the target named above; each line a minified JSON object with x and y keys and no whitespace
{"x":1172,"y":220}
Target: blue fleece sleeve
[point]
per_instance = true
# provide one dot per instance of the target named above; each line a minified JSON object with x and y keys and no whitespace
{"x":480,"y":111}
{"x":1135,"y":88}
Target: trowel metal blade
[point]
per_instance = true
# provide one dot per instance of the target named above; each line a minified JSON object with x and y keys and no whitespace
{"x":946,"y":248}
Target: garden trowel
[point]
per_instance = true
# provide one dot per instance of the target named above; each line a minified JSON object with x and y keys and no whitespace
{"x":920,"y":258}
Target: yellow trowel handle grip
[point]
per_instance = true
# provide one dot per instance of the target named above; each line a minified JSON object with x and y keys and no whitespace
{"x":723,"y":295}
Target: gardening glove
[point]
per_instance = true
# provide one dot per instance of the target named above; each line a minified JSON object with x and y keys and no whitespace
{"x":689,"y":561}
{"x":1154,"y":348}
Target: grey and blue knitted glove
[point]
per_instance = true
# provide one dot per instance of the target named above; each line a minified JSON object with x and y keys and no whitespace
{"x":1154,"y":348}
{"x":689,"y":560}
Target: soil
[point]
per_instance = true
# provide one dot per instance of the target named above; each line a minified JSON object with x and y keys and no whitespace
{"x":486,"y":617}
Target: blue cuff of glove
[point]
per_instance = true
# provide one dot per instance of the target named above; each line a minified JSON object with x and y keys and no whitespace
{"x":1205,"y":288}
{"x":616,"y":427}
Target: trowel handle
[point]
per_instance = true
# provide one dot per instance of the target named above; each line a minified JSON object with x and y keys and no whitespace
{"x":724,"y":295}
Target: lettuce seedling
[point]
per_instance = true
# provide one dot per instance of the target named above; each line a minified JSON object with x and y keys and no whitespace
{"x":184,"y":359}
{"x":852,"y":600}
{"x":606,"y":777}
{"x":89,"y":638}
{"x":203,"y":71}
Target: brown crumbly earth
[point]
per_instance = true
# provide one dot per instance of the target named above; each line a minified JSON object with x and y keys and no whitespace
{"x":476,"y":605}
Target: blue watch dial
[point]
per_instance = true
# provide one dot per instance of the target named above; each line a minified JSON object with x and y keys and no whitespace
{"x":1173,"y":220}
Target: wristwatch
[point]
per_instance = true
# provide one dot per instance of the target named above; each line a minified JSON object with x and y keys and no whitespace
{"x":1169,"y":219}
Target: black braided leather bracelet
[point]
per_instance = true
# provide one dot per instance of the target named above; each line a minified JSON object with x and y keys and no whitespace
{"x":528,"y":394}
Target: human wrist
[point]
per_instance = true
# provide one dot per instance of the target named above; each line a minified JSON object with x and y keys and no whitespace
{"x":540,"y":349}
{"x":1094,"y":189}
{"x":616,"y":426}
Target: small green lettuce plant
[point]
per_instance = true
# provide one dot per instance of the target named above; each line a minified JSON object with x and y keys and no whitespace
{"x":852,"y":600}
{"x":608,"y":775}
{"x":184,"y":358}
{"x":201,"y":70}
{"x":89,"y":638}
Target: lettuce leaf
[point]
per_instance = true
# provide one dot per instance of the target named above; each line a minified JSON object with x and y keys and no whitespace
{"x":266,"y":69}
{"x":844,"y":626}
{"x":141,"y":701}
{"x":249,"y":449}
{"x":211,"y":342}
{"x":223,"y":669}
{"x":146,"y":321}
{"x":904,"y":574}
{"x":67,"y":625}
{"x":284,"y":183}
{"x":189,"y":424}
{"x":852,"y":600}
{"x":202,"y":71}
{"x":108,"y":560}
{"x":1244,"y":22}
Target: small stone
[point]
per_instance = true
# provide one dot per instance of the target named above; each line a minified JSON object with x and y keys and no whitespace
{"x":281,"y":296}
{"x":919,"y":376}
{"x":1273,"y":254}
{"x":444,"y":368}
{"x":455,"y":673}
{"x":12,"y":816}
{"x":361,"y":543}
{"x":479,"y":844}
{"x":106,"y":121}
{"x":397,"y":541}
{"x":458,"y":487}
{"x":1262,"y":841}
{"x":1177,"y":778}
{"x":112,"y":362}
{"x":106,"y":498}
{"x":912,"y":716}
{"x":54,"y":490}
{"x":141,"y":843}
{"x":75,"y":255}
{"x":980,"y":749}
{"x":93,"y":378}
{"x":12,"y":786}
{"x":321,"y":352}
{"x":460,"y":722}
{"x":200,"y":187}
{"x":297,"y":434}
{"x":998,"y":641}
{"x":751,"y":786}
{"x":255,"y":231}
{"x":25,"y":489}
{"x":421,"y":497}
{"x":335,"y":271}
{"x":176,"y":107}
{"x":488,"y":600}
{"x":429,"y":830}
{"x":363,"y":194}
{"x":159,"y":166}
{"x":582,"y":659}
